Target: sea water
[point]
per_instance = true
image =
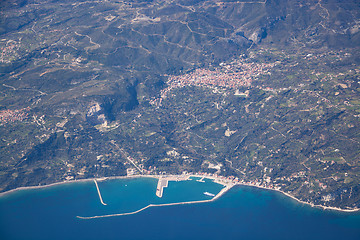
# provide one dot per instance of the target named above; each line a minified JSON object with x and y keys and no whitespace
{"x":241,"y":213}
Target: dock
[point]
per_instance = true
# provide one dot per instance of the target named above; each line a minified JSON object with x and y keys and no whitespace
{"x":201,"y":180}
{"x":164,"y":180}
{"x":162,"y":183}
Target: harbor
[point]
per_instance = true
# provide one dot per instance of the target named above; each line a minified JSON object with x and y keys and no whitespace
{"x":132,"y":202}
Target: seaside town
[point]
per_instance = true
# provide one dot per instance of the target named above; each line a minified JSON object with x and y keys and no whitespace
{"x":230,"y":76}
{"x":226,"y":181}
{"x":138,"y":170}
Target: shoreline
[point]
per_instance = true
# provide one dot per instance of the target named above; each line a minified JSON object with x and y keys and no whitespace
{"x":303,"y":202}
{"x":227,"y":183}
{"x":74,"y":181}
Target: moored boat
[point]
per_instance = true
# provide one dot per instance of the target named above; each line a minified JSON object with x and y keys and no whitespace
{"x":209,"y":194}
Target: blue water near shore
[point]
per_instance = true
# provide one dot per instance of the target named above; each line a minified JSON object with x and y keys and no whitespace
{"x":241,"y":213}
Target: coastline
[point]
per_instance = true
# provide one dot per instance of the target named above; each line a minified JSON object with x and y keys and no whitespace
{"x":74,"y":181}
{"x":228,"y":184}
{"x":44,"y":186}
{"x":303,"y":202}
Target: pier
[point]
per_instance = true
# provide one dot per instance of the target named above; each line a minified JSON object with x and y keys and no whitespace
{"x":164,"y":180}
{"x":98,"y":190}
{"x":162,"y":183}
{"x":201,"y":179}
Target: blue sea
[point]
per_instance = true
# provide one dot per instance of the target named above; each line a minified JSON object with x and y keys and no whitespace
{"x":241,"y":213}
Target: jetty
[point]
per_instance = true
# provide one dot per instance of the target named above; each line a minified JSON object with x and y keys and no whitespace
{"x":98,"y":190}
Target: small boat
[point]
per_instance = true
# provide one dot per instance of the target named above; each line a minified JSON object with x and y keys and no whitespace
{"x":209,"y":194}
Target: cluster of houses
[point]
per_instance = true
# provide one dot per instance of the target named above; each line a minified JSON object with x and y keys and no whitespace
{"x":8,"y":52}
{"x":231,"y":76}
{"x":7,"y":116}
